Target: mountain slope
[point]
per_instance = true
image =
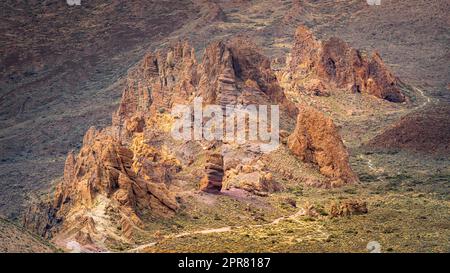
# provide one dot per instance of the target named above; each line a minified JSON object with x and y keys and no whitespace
{"x":15,"y":239}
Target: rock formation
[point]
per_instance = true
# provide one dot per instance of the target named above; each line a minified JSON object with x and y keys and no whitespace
{"x":130,"y":171}
{"x":161,"y":79}
{"x":124,"y":172}
{"x":348,"y":208}
{"x":236,"y":72}
{"x":104,"y":178}
{"x":212,"y":180}
{"x":253,"y":176}
{"x":258,"y":182}
{"x":316,"y":140}
{"x":321,"y":68}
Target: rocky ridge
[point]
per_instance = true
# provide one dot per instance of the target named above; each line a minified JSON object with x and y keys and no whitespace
{"x":125,"y":172}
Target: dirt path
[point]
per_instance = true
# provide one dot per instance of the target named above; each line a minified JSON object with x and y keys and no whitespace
{"x":427,"y":100}
{"x":323,"y":234}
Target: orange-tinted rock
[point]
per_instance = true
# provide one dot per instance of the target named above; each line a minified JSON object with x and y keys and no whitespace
{"x":133,"y":125}
{"x":83,"y":238}
{"x":381,"y":82}
{"x":41,"y":217}
{"x":304,"y":50}
{"x":216,"y":63}
{"x":256,"y":182}
{"x":102,"y":175}
{"x":124,"y":172}
{"x":161,"y":79}
{"x":236,"y":72}
{"x":348,"y":208}
{"x":316,"y":66}
{"x":212,"y":180}
{"x":316,"y":140}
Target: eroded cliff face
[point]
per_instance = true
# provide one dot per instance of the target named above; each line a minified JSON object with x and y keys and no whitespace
{"x":323,"y":67}
{"x":236,"y":72}
{"x":161,"y":79}
{"x":105,"y":187}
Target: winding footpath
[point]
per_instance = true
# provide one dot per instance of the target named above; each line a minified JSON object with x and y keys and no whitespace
{"x":294,"y":217}
{"x":427,"y":100}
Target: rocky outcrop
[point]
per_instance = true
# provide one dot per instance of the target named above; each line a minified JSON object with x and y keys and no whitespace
{"x":97,"y":169}
{"x":254,"y":178}
{"x":348,"y":208}
{"x":257,"y":182}
{"x":381,"y":82}
{"x":40,"y":217}
{"x":104,"y":182}
{"x":124,"y":171}
{"x":321,"y":68}
{"x":217,"y":74}
{"x":212,"y":180}
{"x":231,"y":72}
{"x":236,"y":72}
{"x":161,"y":79}
{"x":316,"y":140}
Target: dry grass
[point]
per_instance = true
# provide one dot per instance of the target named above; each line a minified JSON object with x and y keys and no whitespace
{"x":14,"y":239}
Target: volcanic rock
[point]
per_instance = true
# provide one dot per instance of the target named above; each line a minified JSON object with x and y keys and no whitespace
{"x":319,"y":68}
{"x":83,"y":238}
{"x":161,"y":79}
{"x":316,"y":140}
{"x":236,"y":72}
{"x":348,"y":208}
{"x":41,"y":217}
{"x":256,"y":182}
{"x":124,"y":172}
{"x":212,"y":180}
{"x":102,"y":175}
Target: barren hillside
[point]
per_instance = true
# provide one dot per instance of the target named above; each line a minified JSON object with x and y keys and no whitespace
{"x":15,"y":239}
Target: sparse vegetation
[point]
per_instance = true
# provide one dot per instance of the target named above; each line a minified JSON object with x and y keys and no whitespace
{"x":50,"y":93}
